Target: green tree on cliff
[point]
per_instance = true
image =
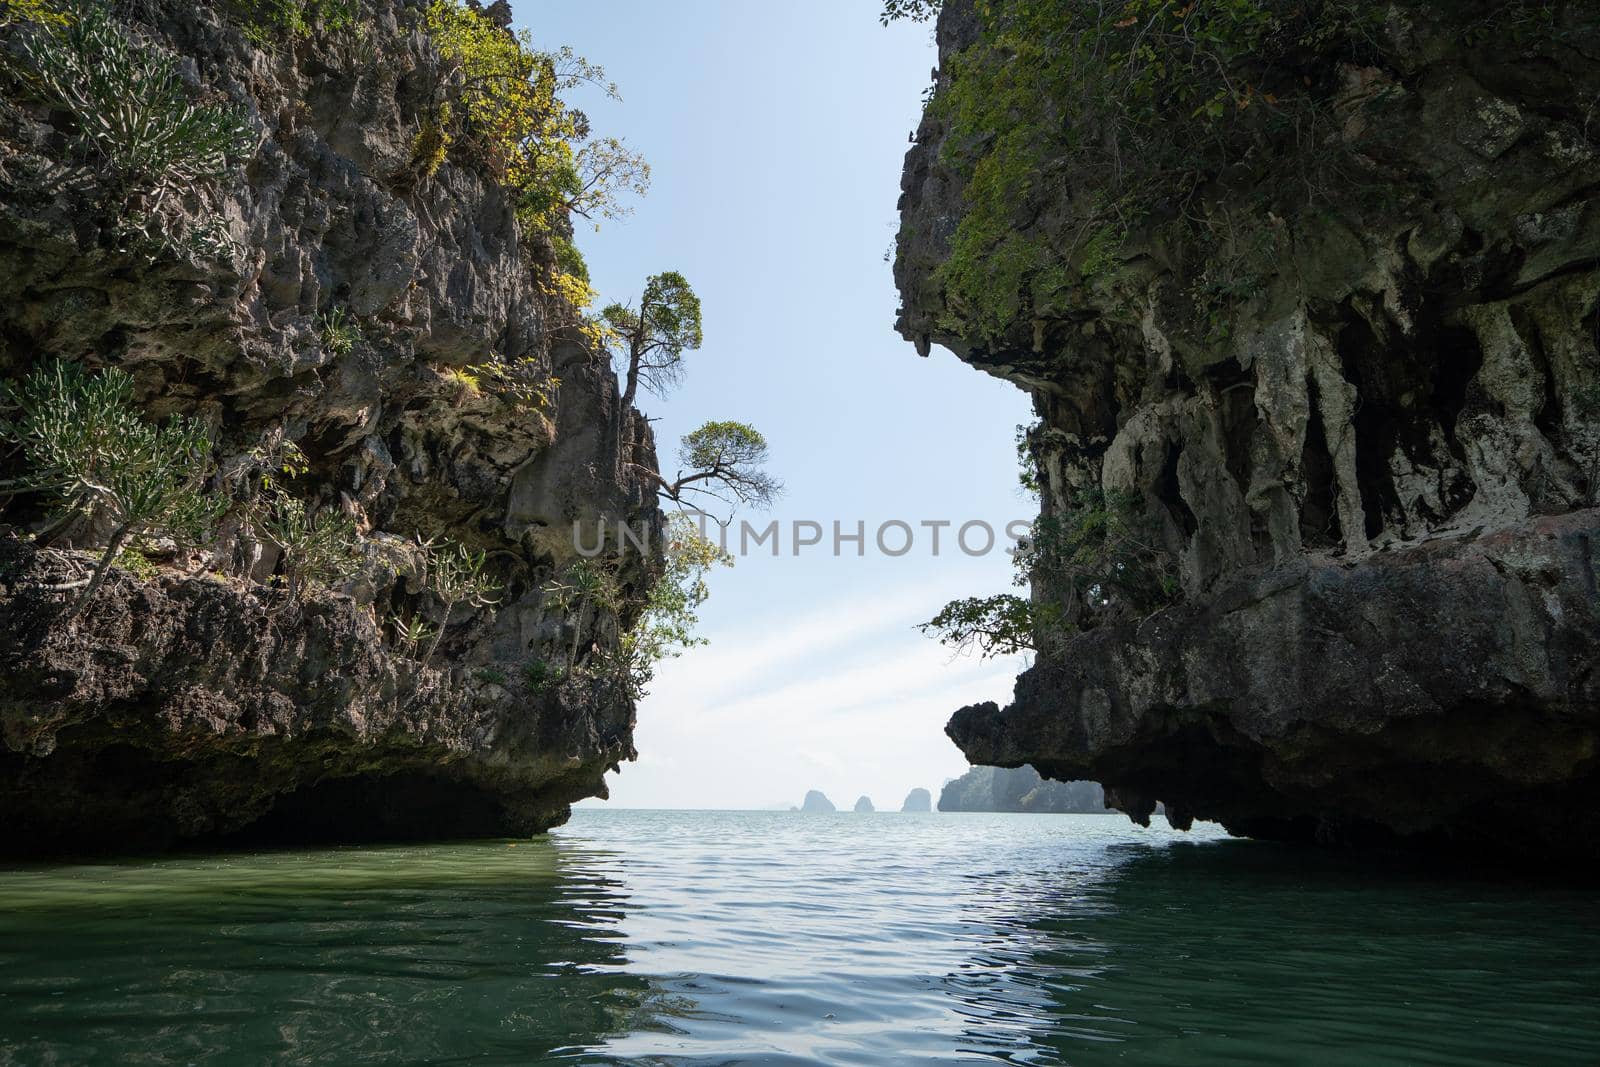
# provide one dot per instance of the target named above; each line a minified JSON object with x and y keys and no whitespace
{"x":725,"y":462}
{"x":722,"y":460}
{"x":649,"y":341}
{"x":1098,"y":559}
{"x":671,"y":607}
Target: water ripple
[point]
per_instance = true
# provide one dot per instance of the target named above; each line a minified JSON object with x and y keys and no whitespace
{"x":711,"y":938}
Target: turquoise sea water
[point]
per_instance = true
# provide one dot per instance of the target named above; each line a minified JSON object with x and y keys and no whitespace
{"x":755,"y":937}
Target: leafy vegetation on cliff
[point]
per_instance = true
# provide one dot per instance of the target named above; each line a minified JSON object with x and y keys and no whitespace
{"x":515,"y":122}
{"x":665,"y":627}
{"x":130,"y":109}
{"x":1186,"y":130}
{"x":133,"y":118}
{"x":1124,"y":113}
{"x":1096,"y":560}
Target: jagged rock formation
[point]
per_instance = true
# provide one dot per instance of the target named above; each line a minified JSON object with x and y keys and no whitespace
{"x":196,"y":703}
{"x":1373,"y":463}
{"x":816,"y":803}
{"x":863,"y":806}
{"x":1019,"y":789}
{"x":918,"y":801}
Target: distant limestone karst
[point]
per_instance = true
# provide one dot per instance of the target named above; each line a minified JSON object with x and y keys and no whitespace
{"x":864,"y":806}
{"x":1020,"y":789}
{"x":816,"y":802}
{"x":918,"y":801}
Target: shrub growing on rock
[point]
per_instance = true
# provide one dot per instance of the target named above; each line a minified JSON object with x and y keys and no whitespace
{"x":455,"y":574}
{"x":671,"y":608}
{"x":269,"y":20}
{"x":85,"y":445}
{"x":131,"y":111}
{"x":324,"y":546}
{"x":1099,"y":560}
{"x":340,"y":331}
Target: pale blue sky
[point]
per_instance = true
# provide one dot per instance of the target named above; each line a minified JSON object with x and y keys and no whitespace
{"x":776,"y":134}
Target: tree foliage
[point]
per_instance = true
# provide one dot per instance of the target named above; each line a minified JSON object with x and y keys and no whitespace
{"x":86,"y":448}
{"x":650,"y":340}
{"x":1000,"y":625}
{"x":725,"y":461}
{"x":1096,"y":560}
{"x":671,"y":610}
{"x":908,"y":10}
{"x":1100,"y":559}
{"x":518,"y":125}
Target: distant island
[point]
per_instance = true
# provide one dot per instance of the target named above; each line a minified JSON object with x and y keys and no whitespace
{"x":816,"y":802}
{"x":1019,"y":789}
{"x":864,"y":805}
{"x":918,"y":801}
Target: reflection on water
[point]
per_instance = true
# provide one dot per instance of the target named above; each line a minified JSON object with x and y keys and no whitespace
{"x":773,"y":937}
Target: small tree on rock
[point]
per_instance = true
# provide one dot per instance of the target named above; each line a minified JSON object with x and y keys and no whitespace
{"x":650,"y":340}
{"x":724,"y":462}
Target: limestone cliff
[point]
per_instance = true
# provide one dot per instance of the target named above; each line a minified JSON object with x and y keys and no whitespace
{"x":1020,"y":789}
{"x":1334,"y":334}
{"x":360,"y":269}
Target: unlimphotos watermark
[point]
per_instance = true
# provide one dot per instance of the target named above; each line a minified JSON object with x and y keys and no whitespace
{"x":794,"y":537}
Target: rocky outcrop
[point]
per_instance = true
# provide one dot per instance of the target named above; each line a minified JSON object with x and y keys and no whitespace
{"x":1365,"y":435}
{"x":863,"y":806}
{"x":816,"y":803}
{"x":194,"y":701}
{"x":1020,"y":789}
{"x":918,"y":801}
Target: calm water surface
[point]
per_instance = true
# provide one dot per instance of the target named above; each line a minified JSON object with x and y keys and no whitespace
{"x":752,"y":937}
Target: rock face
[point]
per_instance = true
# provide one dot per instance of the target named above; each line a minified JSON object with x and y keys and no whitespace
{"x":816,"y":803}
{"x":195,"y":702}
{"x":918,"y":801}
{"x":863,"y":806}
{"x":1371,"y":464}
{"x":1019,"y":789}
